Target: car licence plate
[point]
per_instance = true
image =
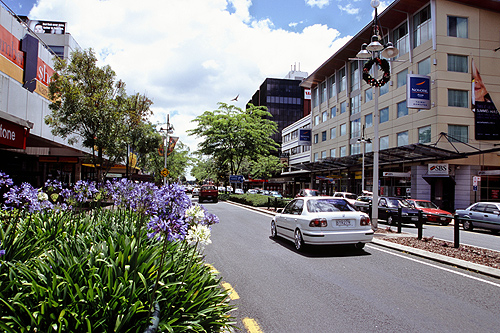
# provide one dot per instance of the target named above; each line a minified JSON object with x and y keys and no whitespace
{"x":344,"y":223}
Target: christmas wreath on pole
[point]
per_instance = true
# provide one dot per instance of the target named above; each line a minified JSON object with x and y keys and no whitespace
{"x":384,"y":66}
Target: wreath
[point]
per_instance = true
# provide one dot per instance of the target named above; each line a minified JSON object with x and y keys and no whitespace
{"x":384,"y":66}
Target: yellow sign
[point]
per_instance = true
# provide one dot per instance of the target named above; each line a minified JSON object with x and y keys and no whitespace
{"x":164,"y":172}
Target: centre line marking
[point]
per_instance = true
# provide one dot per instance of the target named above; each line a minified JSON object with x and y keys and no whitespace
{"x":251,"y":325}
{"x":232,"y":293}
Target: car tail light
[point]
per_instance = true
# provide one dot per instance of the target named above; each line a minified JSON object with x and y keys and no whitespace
{"x":365,"y":220}
{"x":318,"y":223}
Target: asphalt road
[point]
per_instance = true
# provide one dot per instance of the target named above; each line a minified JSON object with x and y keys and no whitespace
{"x":339,"y":289}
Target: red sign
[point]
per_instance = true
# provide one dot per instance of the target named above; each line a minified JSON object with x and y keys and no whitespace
{"x":13,"y":135}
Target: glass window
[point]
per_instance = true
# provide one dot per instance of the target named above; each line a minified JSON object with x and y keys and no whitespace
{"x":369,"y":120}
{"x":422,"y":28}
{"x":333,"y":132}
{"x":342,"y":80}
{"x":356,"y":128}
{"x":355,"y":104}
{"x":323,"y":136}
{"x":424,"y":134}
{"x":316,"y":120}
{"x":323,"y":154}
{"x":384,"y":89}
{"x":458,"y":98}
{"x":333,"y":152}
{"x":457,"y":63}
{"x":384,"y":115}
{"x":368,"y":95}
{"x":424,"y":67}
{"x":315,"y":97}
{"x":368,"y":147}
{"x":384,"y":142}
{"x":458,"y":133}
{"x":332,"y":86}
{"x":324,"y":116}
{"x":402,"y":78}
{"x":315,"y":138}
{"x":343,"y":129}
{"x":403,"y":138}
{"x":316,"y":158}
{"x":355,"y":149}
{"x":402,"y":109}
{"x":401,"y":38}
{"x":323,"y":92}
{"x":333,"y":112}
{"x":354,"y":75}
{"x":343,"y":107}
{"x":343,"y":151}
{"x":458,"y":27}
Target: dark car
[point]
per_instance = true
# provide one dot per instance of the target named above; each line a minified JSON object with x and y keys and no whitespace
{"x":482,"y":214}
{"x":362,"y":203}
{"x":388,"y":210}
{"x":307,"y":192}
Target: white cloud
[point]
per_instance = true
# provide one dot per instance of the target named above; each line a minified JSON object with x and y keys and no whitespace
{"x":189,"y":55}
{"x":349,"y":9}
{"x":319,"y":3}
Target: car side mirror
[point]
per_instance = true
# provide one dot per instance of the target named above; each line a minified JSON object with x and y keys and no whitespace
{"x":496,"y":212}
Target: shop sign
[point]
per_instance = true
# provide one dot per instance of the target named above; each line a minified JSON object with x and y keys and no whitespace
{"x":438,"y":169}
{"x":396,"y":174}
{"x":13,"y":135}
{"x":489,"y":173}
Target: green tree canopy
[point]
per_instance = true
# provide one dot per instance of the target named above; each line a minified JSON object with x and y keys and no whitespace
{"x":265,"y":167}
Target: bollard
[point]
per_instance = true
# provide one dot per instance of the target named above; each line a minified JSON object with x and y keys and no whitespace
{"x":400,"y":219}
{"x":456,"y":225}
{"x":268,"y":203}
{"x":275,"y":204}
{"x":370,"y":210}
{"x":420,"y":224}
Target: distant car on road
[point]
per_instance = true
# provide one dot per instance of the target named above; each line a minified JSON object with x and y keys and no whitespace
{"x":239,"y":191}
{"x":322,"y":221}
{"x":252,"y":191}
{"x":307,"y":192}
{"x":388,"y":210}
{"x":431,"y":212}
{"x":350,"y":197}
{"x":275,"y":194}
{"x":208,"y":192}
{"x":485,"y":215}
{"x":362,"y":203}
{"x":195,"y":192}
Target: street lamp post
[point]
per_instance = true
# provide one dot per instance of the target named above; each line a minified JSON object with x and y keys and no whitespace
{"x":372,"y":51}
{"x":364,"y":141}
{"x":169,"y":130}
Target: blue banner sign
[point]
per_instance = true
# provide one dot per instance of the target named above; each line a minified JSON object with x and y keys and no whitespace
{"x":418,"y":91}
{"x":304,"y":137}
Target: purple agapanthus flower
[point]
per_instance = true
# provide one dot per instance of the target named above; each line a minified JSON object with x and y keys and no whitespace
{"x":5,"y":180}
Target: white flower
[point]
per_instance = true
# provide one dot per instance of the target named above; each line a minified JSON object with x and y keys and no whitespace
{"x":199,"y":234}
{"x":42,"y":196}
{"x":195,"y":213}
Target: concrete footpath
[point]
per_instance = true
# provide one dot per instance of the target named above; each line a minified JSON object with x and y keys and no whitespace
{"x":494,"y":272}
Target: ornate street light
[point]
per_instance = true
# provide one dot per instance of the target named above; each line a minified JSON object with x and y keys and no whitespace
{"x":168,"y":130}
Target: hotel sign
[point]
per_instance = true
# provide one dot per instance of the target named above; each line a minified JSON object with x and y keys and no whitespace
{"x":304,"y":137}
{"x":418,"y":91}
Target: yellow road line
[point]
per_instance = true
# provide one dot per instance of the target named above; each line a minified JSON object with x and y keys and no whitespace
{"x":212,"y":269}
{"x":232,"y":293}
{"x":251,"y":325}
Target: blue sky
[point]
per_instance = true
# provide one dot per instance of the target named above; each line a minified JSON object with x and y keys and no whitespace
{"x":189,"y":55}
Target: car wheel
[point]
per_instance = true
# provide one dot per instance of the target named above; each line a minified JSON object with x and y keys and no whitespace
{"x":359,"y":246}
{"x":467,"y":225}
{"x":390,"y":221}
{"x":299,"y":241}
{"x":274,"y":232}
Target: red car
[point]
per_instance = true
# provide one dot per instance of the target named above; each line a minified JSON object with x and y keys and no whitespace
{"x":431,"y":212}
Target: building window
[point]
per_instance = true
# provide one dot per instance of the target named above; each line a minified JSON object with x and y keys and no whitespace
{"x":306,"y":148}
{"x":402,"y":109}
{"x":316,"y":159}
{"x":333,"y":112}
{"x":402,"y":138}
{"x":324,"y":116}
{"x":342,"y":80}
{"x":333,"y":152}
{"x":458,"y":133}
{"x":384,"y":142}
{"x":369,"y":120}
{"x":368,"y":147}
{"x":424,"y":67}
{"x":458,"y":27}
{"x":315,"y":97}
{"x":356,"y":128}
{"x":315,"y":138}
{"x":343,"y":107}
{"x":384,"y":115}
{"x":368,"y":95}
{"x":323,"y":154}
{"x":402,"y":78}
{"x":458,"y":98}
{"x":402,"y":39}
{"x":343,"y":129}
{"x":355,"y":104}
{"x":323,"y":136}
{"x":323,"y":92}
{"x":355,"y":149}
{"x":424,"y":134}
{"x":332,"y":86}
{"x":316,"y":120}
{"x":333,"y":132}
{"x":422,"y":28}
{"x":343,"y":151}
{"x":458,"y":63}
{"x":354,"y":75}
{"x":384,"y":89}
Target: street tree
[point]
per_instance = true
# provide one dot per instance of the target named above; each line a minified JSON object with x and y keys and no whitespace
{"x":265,"y":167}
{"x":178,"y":162}
{"x":230,"y":135}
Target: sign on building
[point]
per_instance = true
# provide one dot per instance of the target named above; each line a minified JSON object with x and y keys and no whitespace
{"x":438,"y":169}
{"x":418,"y":91}
{"x":304,"y":137}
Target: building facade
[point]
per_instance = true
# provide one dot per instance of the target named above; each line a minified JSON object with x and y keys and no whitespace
{"x":436,"y":38}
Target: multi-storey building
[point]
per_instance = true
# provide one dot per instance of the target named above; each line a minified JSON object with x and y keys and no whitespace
{"x":436,"y":38}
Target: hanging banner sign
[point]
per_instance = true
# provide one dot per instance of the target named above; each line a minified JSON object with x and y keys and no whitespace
{"x":418,"y":91}
{"x":486,"y":116}
{"x":304,"y":137}
{"x":171,"y":144}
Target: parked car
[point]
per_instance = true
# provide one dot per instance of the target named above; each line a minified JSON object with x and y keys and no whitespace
{"x":239,"y":191}
{"x":275,"y":194}
{"x":431,"y":212}
{"x":388,"y":210}
{"x":208,"y":192}
{"x":252,"y":191}
{"x":362,"y":203}
{"x":485,"y":215}
{"x":322,"y":221}
{"x":307,"y":192}
{"x":196,"y":192}
{"x":350,"y":197}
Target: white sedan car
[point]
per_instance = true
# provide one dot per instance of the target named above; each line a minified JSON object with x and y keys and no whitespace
{"x":322,"y":221}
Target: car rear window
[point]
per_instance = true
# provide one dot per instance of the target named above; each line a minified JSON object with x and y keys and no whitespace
{"x":328,"y":205}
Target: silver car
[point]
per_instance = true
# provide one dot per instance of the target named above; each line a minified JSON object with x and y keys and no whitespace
{"x":482,"y":215}
{"x":322,"y":221}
